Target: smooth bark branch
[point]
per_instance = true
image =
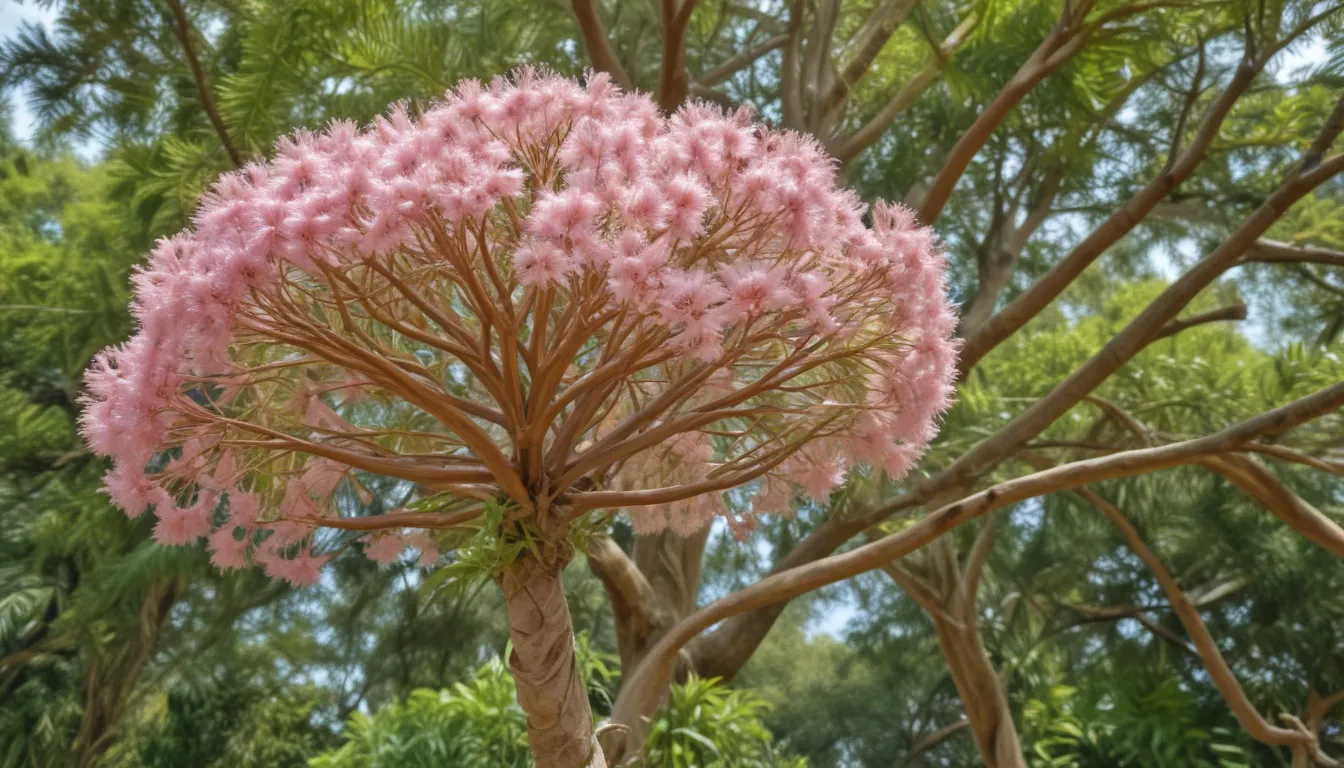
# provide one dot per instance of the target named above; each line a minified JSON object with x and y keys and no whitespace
{"x":1066,"y":39}
{"x":600,"y":52}
{"x":1229,"y":313}
{"x":1333,"y":125}
{"x":996,"y":268}
{"x":1137,"y":208}
{"x":1273,"y":252}
{"x":1135,"y":336}
{"x":933,"y":740}
{"x":1318,"y":707}
{"x":864,"y":47}
{"x":866,"y":136}
{"x":947,"y":592}
{"x":790,"y":88}
{"x":819,"y":66}
{"x":641,"y":693}
{"x":618,"y":572}
{"x":741,"y":61}
{"x":1120,"y":223}
{"x":1264,"y":486}
{"x":183,"y":30}
{"x":722,"y":652}
{"x":673,"y":79}
{"x":1219,"y":671}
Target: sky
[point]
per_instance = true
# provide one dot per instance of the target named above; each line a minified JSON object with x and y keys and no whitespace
{"x":12,"y":15}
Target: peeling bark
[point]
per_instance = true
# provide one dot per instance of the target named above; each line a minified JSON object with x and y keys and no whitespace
{"x":550,"y":691}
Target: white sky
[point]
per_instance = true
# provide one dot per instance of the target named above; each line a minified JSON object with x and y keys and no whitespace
{"x":12,"y":14}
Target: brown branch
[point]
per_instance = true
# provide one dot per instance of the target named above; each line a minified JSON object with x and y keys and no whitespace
{"x":932,"y":740}
{"x":640,"y":695}
{"x":1333,"y":125}
{"x":865,"y":45}
{"x":1284,"y":453}
{"x":1066,"y":39}
{"x":705,"y":93}
{"x":1120,"y":223}
{"x":673,"y":79}
{"x":975,"y":568}
{"x":631,"y":594}
{"x":183,"y":30}
{"x":1135,"y":336}
{"x":1264,"y":486}
{"x":996,"y":268}
{"x":1273,"y":252}
{"x":790,"y":87}
{"x":871,"y":131}
{"x":1231,"y":312}
{"x":1224,"y":679}
{"x":600,"y":53}
{"x":741,"y":61}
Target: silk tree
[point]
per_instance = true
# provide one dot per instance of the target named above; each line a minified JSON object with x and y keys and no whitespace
{"x":535,"y":304}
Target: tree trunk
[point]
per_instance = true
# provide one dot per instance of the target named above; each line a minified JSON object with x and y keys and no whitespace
{"x":981,"y":692}
{"x":112,"y":676}
{"x":550,"y":691}
{"x":946,"y":590}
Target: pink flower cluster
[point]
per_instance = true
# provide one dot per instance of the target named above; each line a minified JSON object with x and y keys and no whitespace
{"x":705,"y":224}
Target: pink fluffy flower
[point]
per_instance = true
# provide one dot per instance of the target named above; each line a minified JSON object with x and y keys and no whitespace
{"x":385,"y":549}
{"x":754,"y":290}
{"x":692,"y":297}
{"x":227,"y":551}
{"x":539,"y":263}
{"x":182,"y":525}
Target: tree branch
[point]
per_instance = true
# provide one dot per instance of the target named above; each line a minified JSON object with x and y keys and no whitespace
{"x":600,"y":52}
{"x":1120,"y":223}
{"x":640,"y":695}
{"x":1231,"y":312}
{"x":673,"y":79}
{"x":728,"y":647}
{"x":871,"y":131}
{"x":864,"y":47}
{"x":934,"y":739}
{"x":790,"y":85}
{"x":624,"y":583}
{"x":183,"y":30}
{"x":741,"y":61}
{"x":1066,"y":39}
{"x":1274,"y":252}
{"x":1135,"y":336}
{"x":1264,"y":486}
{"x":1219,"y":671}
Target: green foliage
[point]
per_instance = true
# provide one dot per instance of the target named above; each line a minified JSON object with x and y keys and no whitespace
{"x":222,"y":723}
{"x":706,"y":724}
{"x":479,"y":723}
{"x":1127,"y":726}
